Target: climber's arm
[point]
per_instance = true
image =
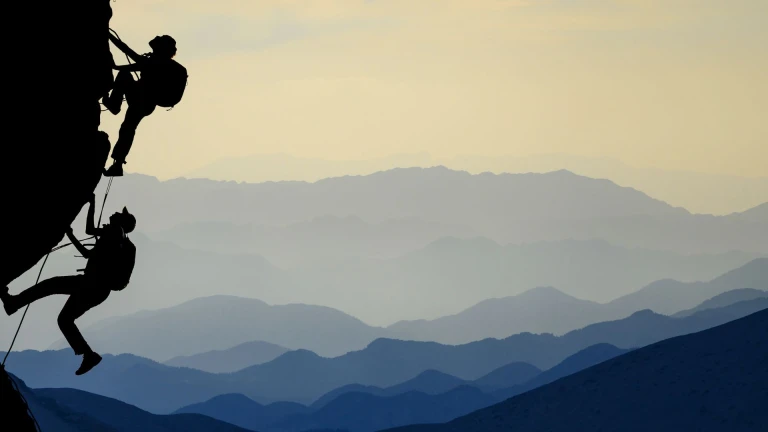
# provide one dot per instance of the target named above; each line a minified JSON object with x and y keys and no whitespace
{"x":125,"y":48}
{"x":129,"y":67}
{"x":79,"y":246}
{"x":90,"y":228}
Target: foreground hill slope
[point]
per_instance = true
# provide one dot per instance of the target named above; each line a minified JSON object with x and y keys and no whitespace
{"x":68,"y":410}
{"x":122,"y":417}
{"x":713,"y":380}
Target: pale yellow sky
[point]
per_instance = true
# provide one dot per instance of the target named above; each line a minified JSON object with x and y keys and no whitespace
{"x":674,"y":84}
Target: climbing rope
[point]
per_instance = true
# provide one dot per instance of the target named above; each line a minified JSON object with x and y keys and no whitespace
{"x":25,"y":311}
{"x":136,"y":74}
{"x":106,"y":194}
{"x":39,"y":273}
{"x":129,"y":62}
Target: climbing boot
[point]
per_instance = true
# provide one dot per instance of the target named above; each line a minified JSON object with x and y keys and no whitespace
{"x":112,"y":105}
{"x":8,"y":305}
{"x":90,"y":360}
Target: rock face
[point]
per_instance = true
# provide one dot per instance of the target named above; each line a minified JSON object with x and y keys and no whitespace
{"x":56,"y":73}
{"x":54,"y":150}
{"x":15,"y":406}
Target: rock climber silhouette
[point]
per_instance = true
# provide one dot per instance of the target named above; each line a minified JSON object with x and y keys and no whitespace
{"x":162,"y":83}
{"x":109,"y":268}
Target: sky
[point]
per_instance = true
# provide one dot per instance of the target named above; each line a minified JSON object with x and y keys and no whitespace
{"x":667,"y":84}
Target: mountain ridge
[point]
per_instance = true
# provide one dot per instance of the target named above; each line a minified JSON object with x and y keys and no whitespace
{"x":302,"y":376}
{"x":694,"y":381}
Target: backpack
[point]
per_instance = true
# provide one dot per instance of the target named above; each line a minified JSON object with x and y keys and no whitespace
{"x":123,"y":265}
{"x":113,"y":266}
{"x":170,"y":82}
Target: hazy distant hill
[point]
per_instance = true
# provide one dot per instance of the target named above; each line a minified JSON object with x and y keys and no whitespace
{"x":232,"y":359}
{"x":713,"y":380}
{"x":540,"y":310}
{"x":509,"y":208}
{"x":361,"y":412}
{"x":435,"y":194}
{"x":319,"y":241}
{"x":302,"y":376}
{"x":240,"y":410}
{"x":222,"y":322}
{"x":548,"y":310}
{"x":583,"y":359}
{"x":362,"y":409}
{"x":669,"y":296}
{"x":725,"y":299}
{"x":434,"y":382}
{"x":755,"y":214}
{"x":697,"y":192}
{"x":507,"y":376}
{"x":490,"y":318}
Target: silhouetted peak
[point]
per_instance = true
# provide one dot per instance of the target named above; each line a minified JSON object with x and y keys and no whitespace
{"x":757,"y":213}
{"x":382,"y":343}
{"x":221,"y":299}
{"x":436,"y":171}
{"x":544,"y":292}
{"x":527,"y":336}
{"x":645,"y":313}
{"x":564,"y":173}
{"x":433,"y":375}
{"x":387,"y":344}
{"x":754,"y":272}
{"x":298,"y":355}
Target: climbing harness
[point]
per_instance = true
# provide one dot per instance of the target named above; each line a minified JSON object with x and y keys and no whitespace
{"x":39,"y":273}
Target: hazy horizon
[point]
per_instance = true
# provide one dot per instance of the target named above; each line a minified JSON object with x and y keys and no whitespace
{"x":701,"y":193}
{"x":654,"y":84}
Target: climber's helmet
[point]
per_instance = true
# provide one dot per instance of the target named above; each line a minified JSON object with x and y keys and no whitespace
{"x":124,"y":220}
{"x":163,"y":46}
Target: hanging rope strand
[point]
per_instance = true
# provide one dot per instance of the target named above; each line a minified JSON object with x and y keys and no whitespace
{"x":25,"y":310}
{"x":106,"y":194}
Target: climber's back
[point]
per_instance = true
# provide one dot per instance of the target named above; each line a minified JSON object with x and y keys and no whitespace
{"x":166,"y":81}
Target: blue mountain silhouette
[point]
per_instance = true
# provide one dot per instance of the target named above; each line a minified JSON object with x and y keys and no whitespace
{"x":302,"y":376}
{"x":360,"y":408}
{"x":712,"y":380}
{"x":724,"y":299}
{"x":232,"y":359}
{"x":435,"y":382}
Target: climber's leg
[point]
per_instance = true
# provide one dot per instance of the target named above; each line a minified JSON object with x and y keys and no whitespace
{"x":66,"y":285}
{"x":124,"y":83}
{"x":137,"y":110}
{"x":79,"y":303}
